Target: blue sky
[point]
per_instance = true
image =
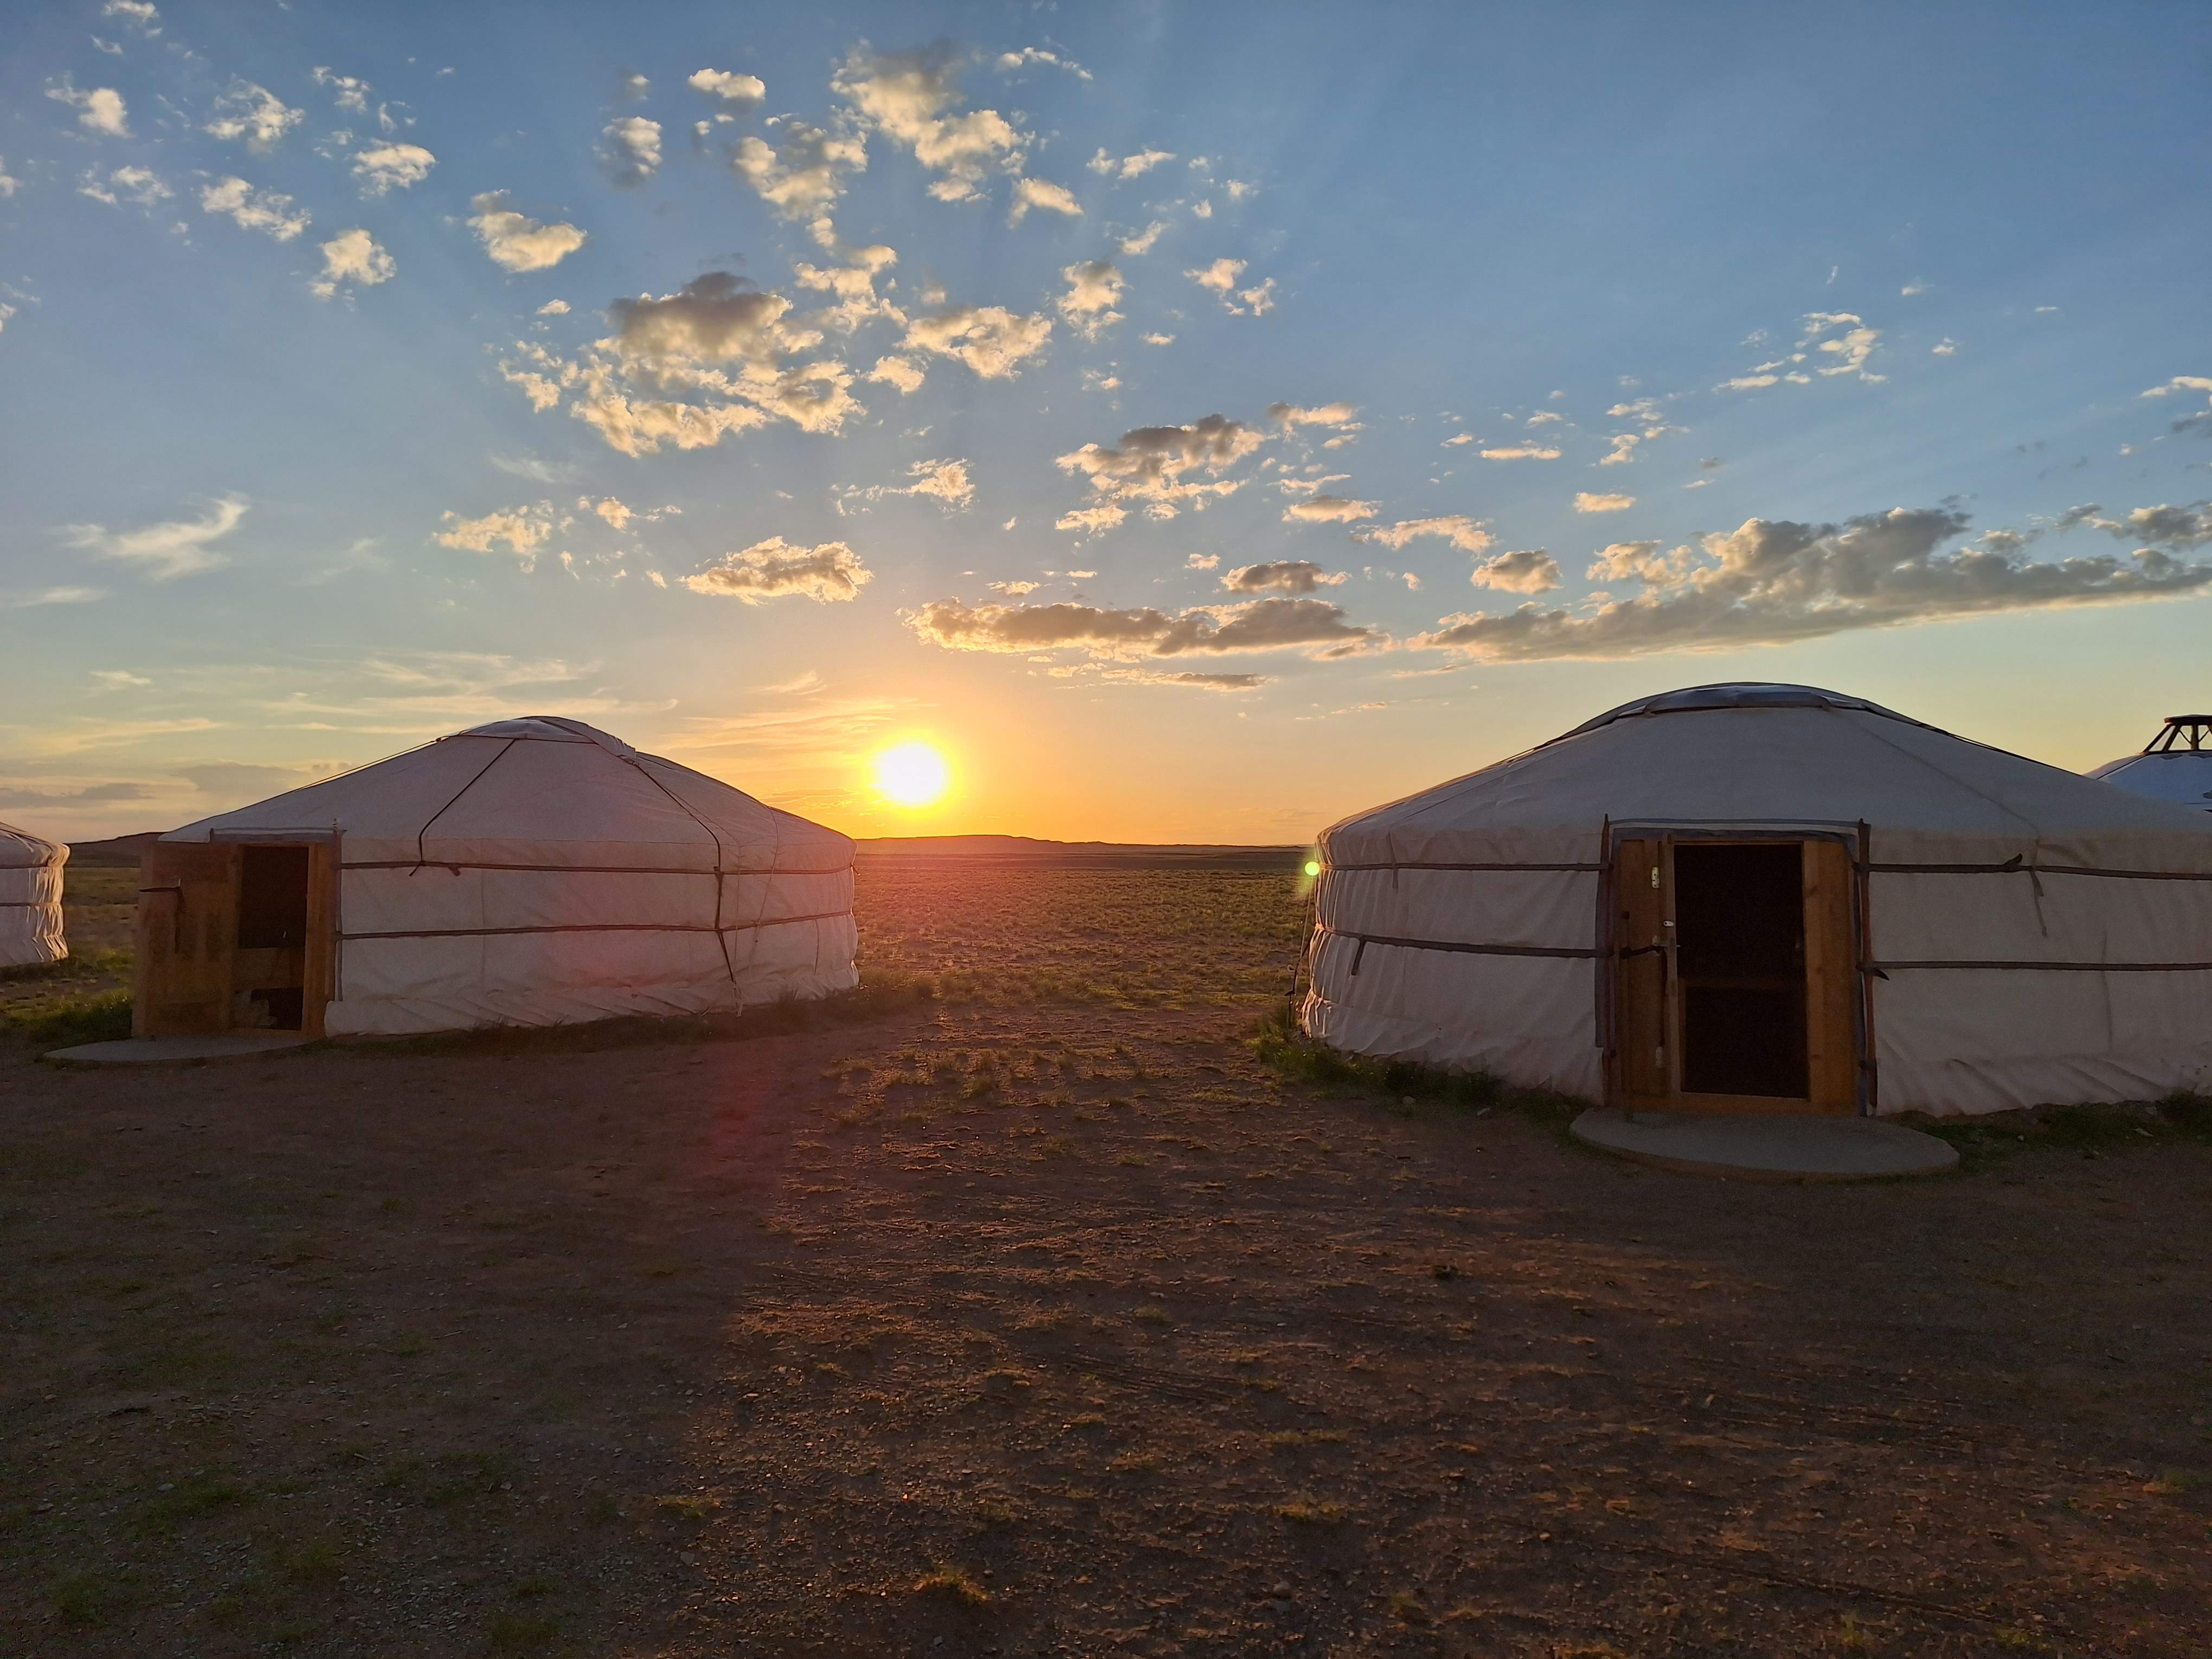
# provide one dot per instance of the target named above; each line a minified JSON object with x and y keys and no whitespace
{"x":768,"y":389}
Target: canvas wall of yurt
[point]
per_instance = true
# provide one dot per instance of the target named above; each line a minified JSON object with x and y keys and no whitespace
{"x":30,"y":899}
{"x":530,"y":871}
{"x":1773,"y":899}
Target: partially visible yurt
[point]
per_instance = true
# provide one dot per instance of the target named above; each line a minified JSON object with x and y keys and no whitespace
{"x":30,"y":899}
{"x":1770,"y":899}
{"x":2176,"y":765}
{"x":530,"y":871}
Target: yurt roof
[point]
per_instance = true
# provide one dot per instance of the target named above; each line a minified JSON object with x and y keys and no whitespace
{"x":536,"y":790}
{"x":21,"y":850}
{"x":1757,"y":754}
{"x":2176,"y":765}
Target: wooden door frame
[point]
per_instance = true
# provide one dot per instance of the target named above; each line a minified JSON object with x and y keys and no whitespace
{"x":319,"y":965}
{"x":1852,"y":839}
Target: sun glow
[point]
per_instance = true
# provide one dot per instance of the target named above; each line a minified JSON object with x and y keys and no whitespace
{"x":912,"y":774}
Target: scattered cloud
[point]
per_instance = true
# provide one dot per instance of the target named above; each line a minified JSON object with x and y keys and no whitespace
{"x":140,"y":15}
{"x":165,"y":551}
{"x":1770,"y":582}
{"x":1196,"y":681}
{"x":1008,"y":61}
{"x":770,"y":569}
{"x":1091,"y":520}
{"x":1094,"y":288}
{"x":1151,"y":465}
{"x":803,"y":173}
{"x":1590,"y":502}
{"x":1531,"y":570}
{"x":740,"y":91}
{"x":990,"y":339}
{"x":138,"y":185}
{"x":1220,"y":279}
{"x":554,"y":308}
{"x":631,"y":149}
{"x":1327,"y":509}
{"x":1282,"y":576}
{"x":1461,"y":532}
{"x":101,"y":110}
{"x":1268,"y":624}
{"x":353,"y":256}
{"x":385,"y":168}
{"x":516,"y":242}
{"x":254,"y":113}
{"x":947,"y":482}
{"x":32,"y":599}
{"x":1129,"y":167}
{"x":1529,"y":452}
{"x":1140,"y":242}
{"x":910,"y":98}
{"x":1039,"y":193}
{"x":254,"y":209}
{"x":1340,"y":416}
{"x":347,"y":92}
{"x":1457,"y":440}
{"x":521,"y":530}
{"x":900,"y":372}
{"x":2155,"y":526}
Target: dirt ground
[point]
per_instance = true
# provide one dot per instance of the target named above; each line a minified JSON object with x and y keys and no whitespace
{"x":1046,"y":1321}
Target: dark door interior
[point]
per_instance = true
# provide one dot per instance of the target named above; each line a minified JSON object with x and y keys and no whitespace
{"x":1739,"y":932}
{"x":272,"y":934}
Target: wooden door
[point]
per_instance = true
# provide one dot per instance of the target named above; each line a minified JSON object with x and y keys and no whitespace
{"x":1643,"y":966}
{"x":187,"y":934}
{"x":1831,"y":977}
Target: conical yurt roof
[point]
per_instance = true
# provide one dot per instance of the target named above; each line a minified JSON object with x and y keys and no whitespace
{"x":537,"y":790}
{"x":1784,"y":755}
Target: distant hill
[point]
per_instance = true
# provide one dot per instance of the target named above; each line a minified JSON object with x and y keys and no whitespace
{"x":1022,"y":850}
{"x":120,"y":850}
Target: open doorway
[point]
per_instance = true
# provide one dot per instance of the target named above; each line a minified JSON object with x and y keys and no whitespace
{"x":235,"y":936}
{"x":269,"y":980}
{"x":1735,"y":975}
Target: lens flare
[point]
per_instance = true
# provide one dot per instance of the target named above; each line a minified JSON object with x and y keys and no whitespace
{"x":912,"y":774}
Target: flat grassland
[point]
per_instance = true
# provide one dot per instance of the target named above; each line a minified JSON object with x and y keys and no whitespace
{"x":1041,"y":1318}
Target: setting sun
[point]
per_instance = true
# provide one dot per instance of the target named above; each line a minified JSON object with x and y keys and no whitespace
{"x":912,"y":774}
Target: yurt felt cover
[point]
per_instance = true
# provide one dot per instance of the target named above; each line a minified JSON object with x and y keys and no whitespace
{"x":536,"y":871}
{"x":30,"y":899}
{"x":2183,"y":776}
{"x":2036,"y":936}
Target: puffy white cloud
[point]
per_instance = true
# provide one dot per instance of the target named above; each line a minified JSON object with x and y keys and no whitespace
{"x":946,"y":482}
{"x":1527,"y":451}
{"x":1094,"y":288}
{"x":1945,"y":348}
{"x":348,"y":92}
{"x":909,"y":97}
{"x":642,"y":426}
{"x":1281,"y":576}
{"x":1528,"y":570}
{"x":611,"y":508}
{"x":1339,"y":415}
{"x":517,"y":242}
{"x":805,"y":171}
{"x":632,"y":149}
{"x":139,"y":187}
{"x":180,"y":548}
{"x":1151,"y":465}
{"x":254,"y":209}
{"x":2158,"y":526}
{"x":1129,"y":166}
{"x":1220,"y":278}
{"x":1140,"y":242}
{"x":1456,"y":528}
{"x":1268,"y":624}
{"x":1202,"y":561}
{"x":520,"y":530}
{"x":1041,"y":193}
{"x":1593,"y":501}
{"x":1851,"y":345}
{"x":831,"y":572}
{"x":254,"y":113}
{"x":992,"y":340}
{"x":2181,"y":383}
{"x":742,"y":90}
{"x":140,"y":15}
{"x":901,"y":372}
{"x":1008,"y":61}
{"x":1457,"y":440}
{"x":1328,"y":509}
{"x":1091,"y":520}
{"x":554,"y":308}
{"x":101,"y":110}
{"x":384,"y":167}
{"x":1159,"y":339}
{"x":1768,"y":582}
{"x":353,"y":256}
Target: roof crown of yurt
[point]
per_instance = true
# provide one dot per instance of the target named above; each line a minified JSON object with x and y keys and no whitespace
{"x":531,"y":870}
{"x":30,"y":899}
{"x":2175,"y":765}
{"x":1757,"y":898}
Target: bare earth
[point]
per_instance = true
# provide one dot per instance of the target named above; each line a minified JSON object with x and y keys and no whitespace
{"x":1046,"y":1321}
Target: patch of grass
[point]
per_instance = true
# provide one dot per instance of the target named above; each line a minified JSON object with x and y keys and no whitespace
{"x":955,"y":1584}
{"x":189,"y":1500}
{"x":86,"y":1597}
{"x":1279,"y":1044}
{"x":687,"y":1507}
{"x":93,"y":964}
{"x":521,"y":1632}
{"x":448,"y":1478}
{"x":1149,"y":1315}
{"x":2091,"y":1129}
{"x":1310,"y":1512}
{"x":1407,"y":1608}
{"x":64,"y":1022}
{"x":315,"y":1562}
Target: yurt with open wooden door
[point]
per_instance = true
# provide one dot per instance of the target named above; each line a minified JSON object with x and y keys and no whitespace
{"x":530,"y":871}
{"x":1773,"y":899}
{"x":2176,"y":765}
{"x":30,"y":899}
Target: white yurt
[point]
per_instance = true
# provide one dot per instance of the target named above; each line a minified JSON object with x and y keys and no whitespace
{"x":532,"y":871}
{"x":2176,"y":765}
{"x":30,"y":899}
{"x":1773,"y":899}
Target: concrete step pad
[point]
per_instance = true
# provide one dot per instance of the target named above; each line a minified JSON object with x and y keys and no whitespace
{"x":1776,"y":1148}
{"x":154,"y":1051}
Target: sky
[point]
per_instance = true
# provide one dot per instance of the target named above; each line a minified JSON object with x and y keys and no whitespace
{"x":1199,"y":422}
